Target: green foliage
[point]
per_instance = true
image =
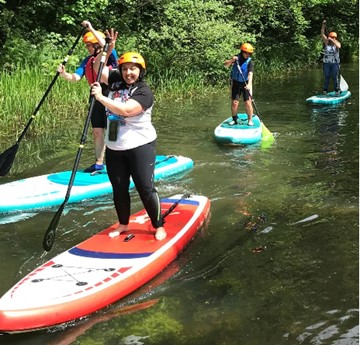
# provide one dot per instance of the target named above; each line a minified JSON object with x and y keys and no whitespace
{"x":25,"y":87}
{"x":191,"y":37}
{"x":179,"y":37}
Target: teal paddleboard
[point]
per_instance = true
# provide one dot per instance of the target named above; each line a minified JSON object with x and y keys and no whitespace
{"x":50,"y":190}
{"x":329,"y":98}
{"x":240,"y":133}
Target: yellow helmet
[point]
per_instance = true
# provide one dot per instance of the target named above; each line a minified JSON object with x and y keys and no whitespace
{"x":132,"y":57}
{"x":90,"y":38}
{"x":247,"y":47}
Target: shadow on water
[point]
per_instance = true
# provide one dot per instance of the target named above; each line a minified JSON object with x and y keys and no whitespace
{"x":276,"y":263}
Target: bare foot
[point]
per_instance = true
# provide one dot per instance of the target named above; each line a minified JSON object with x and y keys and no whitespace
{"x":121,"y":228}
{"x":160,"y":234}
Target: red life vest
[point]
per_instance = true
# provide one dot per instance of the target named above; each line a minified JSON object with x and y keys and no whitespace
{"x":90,"y":74}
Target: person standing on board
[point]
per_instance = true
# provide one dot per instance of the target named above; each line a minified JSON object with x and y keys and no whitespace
{"x":94,"y":41}
{"x":331,"y":59}
{"x":239,"y":85}
{"x":130,"y":138}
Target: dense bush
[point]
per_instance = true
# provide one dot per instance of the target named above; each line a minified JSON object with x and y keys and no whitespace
{"x":178,"y":37}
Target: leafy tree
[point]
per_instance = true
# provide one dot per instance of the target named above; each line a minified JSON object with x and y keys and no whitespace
{"x":179,"y":37}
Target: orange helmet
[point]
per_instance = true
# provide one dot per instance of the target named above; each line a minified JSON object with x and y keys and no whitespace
{"x":132,"y":57}
{"x":332,"y":34}
{"x":247,"y":47}
{"x":90,"y":38}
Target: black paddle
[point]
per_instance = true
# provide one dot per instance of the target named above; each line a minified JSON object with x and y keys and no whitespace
{"x":265,"y":132}
{"x":164,"y":160}
{"x":49,"y":237}
{"x":8,"y":156}
{"x":171,"y":208}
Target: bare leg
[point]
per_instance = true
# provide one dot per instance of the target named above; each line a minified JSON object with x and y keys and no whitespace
{"x":98,"y":134}
{"x":234,"y":109}
{"x":249,"y":111}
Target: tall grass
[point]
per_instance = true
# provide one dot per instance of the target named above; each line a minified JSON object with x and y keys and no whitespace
{"x":22,"y":91}
{"x":175,"y":85}
{"x":23,"y":86}
{"x":67,"y":103}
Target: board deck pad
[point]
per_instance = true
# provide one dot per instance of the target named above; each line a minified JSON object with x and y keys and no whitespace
{"x":100,"y":270}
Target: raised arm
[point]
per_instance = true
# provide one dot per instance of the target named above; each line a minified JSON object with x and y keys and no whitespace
{"x":335,"y":41}
{"x":112,"y":35}
{"x":99,"y":38}
{"x":322,"y":32}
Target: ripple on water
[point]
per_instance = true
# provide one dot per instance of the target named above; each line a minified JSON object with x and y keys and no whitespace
{"x":334,"y":331}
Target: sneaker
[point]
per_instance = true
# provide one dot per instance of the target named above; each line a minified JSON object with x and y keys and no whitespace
{"x":250,"y":123}
{"x":232,"y":123}
{"x":94,"y":167}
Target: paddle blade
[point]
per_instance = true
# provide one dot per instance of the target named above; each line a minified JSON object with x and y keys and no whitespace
{"x":49,"y":237}
{"x":266,"y":135}
{"x":343,"y":84}
{"x":7,"y":159}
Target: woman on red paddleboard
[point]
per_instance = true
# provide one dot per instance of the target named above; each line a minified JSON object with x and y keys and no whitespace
{"x":130,"y":137}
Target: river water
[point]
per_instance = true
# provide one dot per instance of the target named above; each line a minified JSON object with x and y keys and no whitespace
{"x":276,"y":263}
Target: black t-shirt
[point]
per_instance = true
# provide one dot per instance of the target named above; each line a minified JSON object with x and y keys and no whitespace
{"x":139,"y":92}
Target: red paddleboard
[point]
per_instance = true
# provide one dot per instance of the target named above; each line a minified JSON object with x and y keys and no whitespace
{"x":102,"y":269}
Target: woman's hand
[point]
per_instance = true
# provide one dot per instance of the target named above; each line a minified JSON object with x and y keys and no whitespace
{"x":112,"y":35}
{"x":96,"y":91}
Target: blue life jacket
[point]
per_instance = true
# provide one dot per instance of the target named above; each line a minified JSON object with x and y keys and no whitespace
{"x":235,"y":74}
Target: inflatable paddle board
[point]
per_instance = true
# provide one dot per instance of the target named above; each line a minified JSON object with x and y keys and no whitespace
{"x":102,"y":269}
{"x":50,"y":190}
{"x":240,"y":133}
{"x":329,"y":98}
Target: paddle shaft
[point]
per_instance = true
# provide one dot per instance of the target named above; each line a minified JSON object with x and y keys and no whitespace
{"x":49,"y":236}
{"x":51,"y":85}
{"x":8,"y":156}
{"x":246,"y":84}
{"x":164,"y":160}
{"x":171,"y":208}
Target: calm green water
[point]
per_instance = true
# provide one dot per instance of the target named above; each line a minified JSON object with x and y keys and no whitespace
{"x":259,"y":273}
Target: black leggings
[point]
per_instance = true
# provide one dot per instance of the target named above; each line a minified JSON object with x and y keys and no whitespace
{"x":139,"y":163}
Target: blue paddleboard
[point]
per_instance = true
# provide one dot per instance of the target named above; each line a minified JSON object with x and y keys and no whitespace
{"x":50,"y":190}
